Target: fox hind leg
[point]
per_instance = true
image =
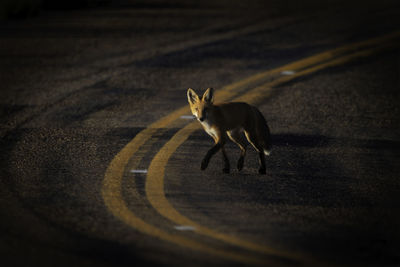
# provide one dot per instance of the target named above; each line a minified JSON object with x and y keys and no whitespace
{"x":237,"y":137}
{"x":226,"y":168}
{"x":253,"y":140}
{"x":262,"y":169}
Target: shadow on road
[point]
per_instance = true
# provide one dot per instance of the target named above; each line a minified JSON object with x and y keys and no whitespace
{"x":298,"y":140}
{"x":316,"y":170}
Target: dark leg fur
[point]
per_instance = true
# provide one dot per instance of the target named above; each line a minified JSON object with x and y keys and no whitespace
{"x":237,"y":137}
{"x":240,"y":163}
{"x":254,"y":142}
{"x":226,"y":161}
{"x":262,"y":169}
{"x":209,"y":154}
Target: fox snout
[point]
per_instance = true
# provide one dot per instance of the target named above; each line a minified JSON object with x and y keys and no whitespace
{"x":202,"y":114}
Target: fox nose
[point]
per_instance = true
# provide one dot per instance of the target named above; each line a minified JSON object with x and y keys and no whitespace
{"x":201,"y":118}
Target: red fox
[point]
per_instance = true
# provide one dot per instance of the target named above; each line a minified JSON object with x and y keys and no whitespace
{"x":231,"y":120}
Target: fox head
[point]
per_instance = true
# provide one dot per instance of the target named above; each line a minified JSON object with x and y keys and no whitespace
{"x":200,"y":107}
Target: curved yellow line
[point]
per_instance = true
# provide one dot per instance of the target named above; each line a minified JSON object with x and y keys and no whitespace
{"x":112,"y":195}
{"x":155,"y":177}
{"x":155,"y":194}
{"x":111,"y":188}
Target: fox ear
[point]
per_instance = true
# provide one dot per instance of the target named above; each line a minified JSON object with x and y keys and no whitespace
{"x":209,"y":95}
{"x":192,"y":96}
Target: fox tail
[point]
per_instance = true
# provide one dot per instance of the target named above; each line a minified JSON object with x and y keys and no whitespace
{"x":266,"y":133}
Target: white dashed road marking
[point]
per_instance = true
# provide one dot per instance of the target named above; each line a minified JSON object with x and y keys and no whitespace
{"x":138,"y":171}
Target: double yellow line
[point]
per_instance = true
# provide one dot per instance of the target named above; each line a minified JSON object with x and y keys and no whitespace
{"x":154,"y":187}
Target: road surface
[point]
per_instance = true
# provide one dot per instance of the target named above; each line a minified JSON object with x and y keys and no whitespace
{"x":100,"y":160}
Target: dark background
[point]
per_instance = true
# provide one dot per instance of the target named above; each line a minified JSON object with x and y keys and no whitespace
{"x":79,"y":79}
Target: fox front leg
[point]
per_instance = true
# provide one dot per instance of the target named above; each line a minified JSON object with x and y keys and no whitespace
{"x":219,"y":139}
{"x":210,"y":153}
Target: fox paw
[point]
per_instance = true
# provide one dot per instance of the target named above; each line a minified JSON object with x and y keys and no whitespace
{"x":240,"y":164}
{"x":262,"y":171}
{"x":225,"y":170}
{"x":204,"y":165}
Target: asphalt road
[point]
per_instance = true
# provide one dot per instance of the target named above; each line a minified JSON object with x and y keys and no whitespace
{"x":100,"y":165}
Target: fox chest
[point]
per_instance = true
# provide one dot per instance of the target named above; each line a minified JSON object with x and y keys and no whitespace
{"x":210,"y":130}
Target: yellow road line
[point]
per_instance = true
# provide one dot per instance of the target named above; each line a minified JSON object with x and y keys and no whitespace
{"x":228,"y":91}
{"x":155,"y":194}
{"x":111,"y":188}
{"x":156,"y":171}
{"x":112,"y":196}
{"x":258,"y":93}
